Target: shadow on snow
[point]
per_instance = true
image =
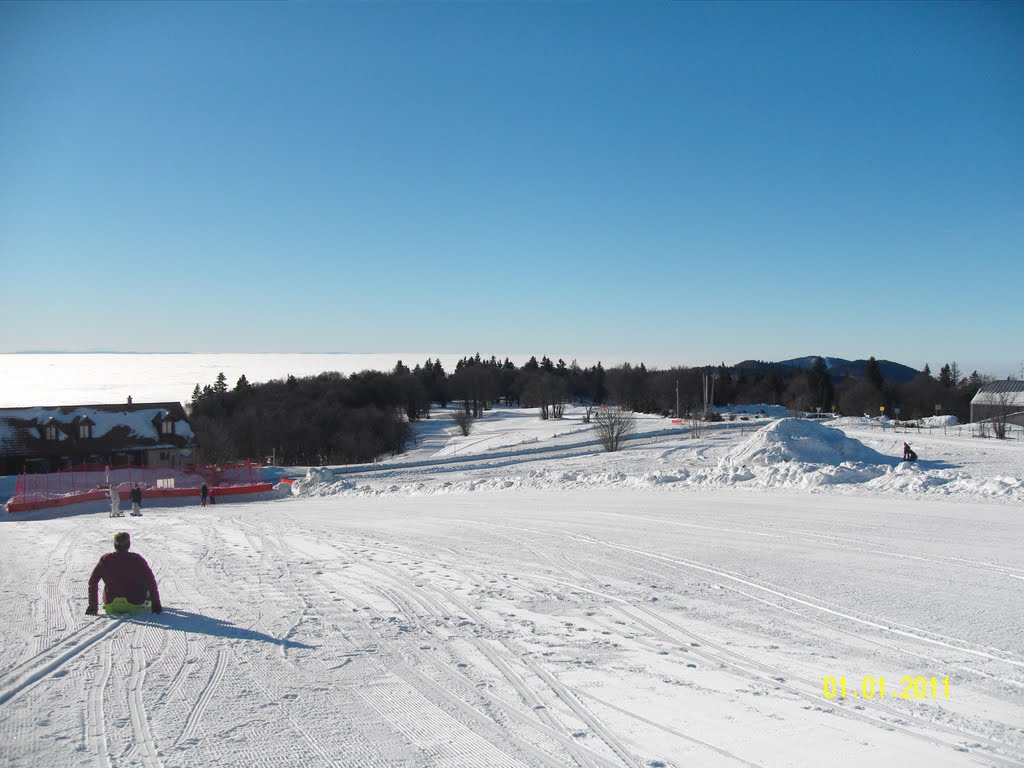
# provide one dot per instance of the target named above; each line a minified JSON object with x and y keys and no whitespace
{"x":186,"y":621}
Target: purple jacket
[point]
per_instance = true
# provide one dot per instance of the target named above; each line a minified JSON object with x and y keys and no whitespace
{"x":124,"y":574}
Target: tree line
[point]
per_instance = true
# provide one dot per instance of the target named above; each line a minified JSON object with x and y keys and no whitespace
{"x":336,"y":419}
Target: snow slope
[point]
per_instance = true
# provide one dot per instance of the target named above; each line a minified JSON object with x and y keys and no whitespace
{"x":542,"y":604}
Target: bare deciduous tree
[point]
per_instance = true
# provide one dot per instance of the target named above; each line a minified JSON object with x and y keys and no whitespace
{"x":696,"y":418}
{"x":464,"y":421}
{"x":613,"y":425}
{"x":1003,"y":406}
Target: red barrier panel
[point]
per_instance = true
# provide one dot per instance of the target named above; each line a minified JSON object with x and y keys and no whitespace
{"x":13,"y":507}
{"x":69,"y":481}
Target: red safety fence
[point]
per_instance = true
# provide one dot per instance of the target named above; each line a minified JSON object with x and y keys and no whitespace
{"x":89,"y":482}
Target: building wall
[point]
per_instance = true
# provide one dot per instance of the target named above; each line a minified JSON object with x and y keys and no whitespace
{"x":165,"y":457}
{"x":984,"y":412}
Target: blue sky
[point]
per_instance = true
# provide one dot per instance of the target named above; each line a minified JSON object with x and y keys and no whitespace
{"x":699,"y":182}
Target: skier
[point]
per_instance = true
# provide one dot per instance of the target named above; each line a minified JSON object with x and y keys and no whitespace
{"x":115,"y":503}
{"x":136,"y":497}
{"x":128,"y":581}
{"x":204,"y":492}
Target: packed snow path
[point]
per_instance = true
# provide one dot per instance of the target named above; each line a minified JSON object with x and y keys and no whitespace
{"x":580,"y":628}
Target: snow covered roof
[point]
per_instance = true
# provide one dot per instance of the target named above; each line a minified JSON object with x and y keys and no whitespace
{"x":1008,"y":392}
{"x":124,"y":426}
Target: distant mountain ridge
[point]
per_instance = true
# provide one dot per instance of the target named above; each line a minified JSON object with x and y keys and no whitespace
{"x":837,"y":367}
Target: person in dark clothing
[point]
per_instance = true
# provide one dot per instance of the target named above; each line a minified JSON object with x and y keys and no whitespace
{"x":136,"y":498}
{"x":213,"y":494}
{"x":908,"y":453}
{"x":204,"y":492}
{"x":127,"y":579}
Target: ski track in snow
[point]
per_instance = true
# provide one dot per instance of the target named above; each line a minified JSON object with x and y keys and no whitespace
{"x":454,"y":613}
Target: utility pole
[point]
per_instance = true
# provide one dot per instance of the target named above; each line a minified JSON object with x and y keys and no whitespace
{"x":677,"y":398}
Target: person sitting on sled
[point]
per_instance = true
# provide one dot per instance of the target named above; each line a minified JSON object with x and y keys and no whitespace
{"x":128,"y":581}
{"x":908,"y":453}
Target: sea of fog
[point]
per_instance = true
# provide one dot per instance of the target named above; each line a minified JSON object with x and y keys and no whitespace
{"x":69,"y":379}
{"x":76,"y":379}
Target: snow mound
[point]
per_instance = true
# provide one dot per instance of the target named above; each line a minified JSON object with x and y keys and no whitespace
{"x":802,"y":441}
{"x":939,"y":421}
{"x":852,"y":421}
{"x":319,"y":481}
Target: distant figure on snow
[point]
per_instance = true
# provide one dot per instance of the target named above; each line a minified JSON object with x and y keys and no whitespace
{"x":136,"y":497}
{"x":213,"y":494}
{"x":908,"y":453}
{"x":204,"y":492}
{"x":128,"y":581}
{"x":115,"y":503}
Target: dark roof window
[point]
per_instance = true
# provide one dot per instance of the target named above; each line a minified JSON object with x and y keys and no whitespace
{"x":167,"y":424}
{"x":85,"y":425}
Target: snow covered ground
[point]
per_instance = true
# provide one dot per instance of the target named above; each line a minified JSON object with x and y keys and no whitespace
{"x":519,"y":598}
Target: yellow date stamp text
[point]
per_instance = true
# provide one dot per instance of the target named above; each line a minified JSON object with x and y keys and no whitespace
{"x":875,"y":688}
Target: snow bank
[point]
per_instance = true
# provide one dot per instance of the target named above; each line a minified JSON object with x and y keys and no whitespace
{"x":789,"y":454}
{"x":803,"y":441}
{"x":874,"y":479}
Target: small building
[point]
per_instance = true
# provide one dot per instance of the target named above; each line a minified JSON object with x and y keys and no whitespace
{"x":999,"y":400}
{"x":48,"y":438}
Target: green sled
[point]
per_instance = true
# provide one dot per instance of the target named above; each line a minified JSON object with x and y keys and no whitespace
{"x":121,"y":605}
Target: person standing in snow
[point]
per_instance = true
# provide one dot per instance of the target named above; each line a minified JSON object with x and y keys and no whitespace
{"x":204,"y":492}
{"x":908,"y":453}
{"x":115,"y":503}
{"x":128,"y":581}
{"x":136,"y":497}
{"x":213,"y":494}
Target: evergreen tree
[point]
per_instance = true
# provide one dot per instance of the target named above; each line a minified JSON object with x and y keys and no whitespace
{"x":946,"y":376}
{"x":819,"y":384}
{"x":221,"y":385}
{"x":873,"y":373}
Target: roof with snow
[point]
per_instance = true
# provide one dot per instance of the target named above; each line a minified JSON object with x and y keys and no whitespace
{"x":1008,"y":392}
{"x":124,"y":426}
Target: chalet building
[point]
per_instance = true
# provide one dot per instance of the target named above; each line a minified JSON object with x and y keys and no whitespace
{"x":45,"y":439}
{"x":999,"y":399}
